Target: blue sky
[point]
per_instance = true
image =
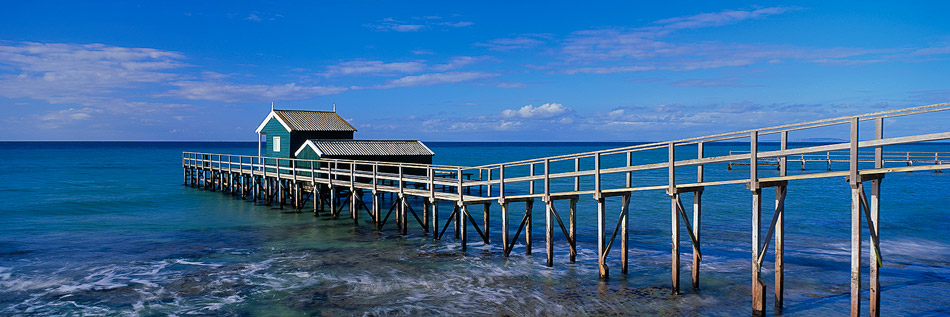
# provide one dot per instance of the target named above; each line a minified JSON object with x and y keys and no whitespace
{"x":487,"y":71}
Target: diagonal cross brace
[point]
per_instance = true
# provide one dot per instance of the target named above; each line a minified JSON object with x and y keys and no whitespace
{"x":391,"y":208}
{"x":867,"y":214}
{"x":448,"y":222}
{"x":623,"y":214}
{"x":413,"y":211}
{"x":689,"y":228}
{"x":779,"y":210}
{"x":511,"y":245}
{"x":474,"y":224}
{"x":563,"y":229}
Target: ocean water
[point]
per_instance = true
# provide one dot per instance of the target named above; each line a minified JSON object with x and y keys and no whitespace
{"x":108,"y":229}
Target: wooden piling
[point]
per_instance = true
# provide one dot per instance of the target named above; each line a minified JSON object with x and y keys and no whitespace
{"x":529,"y":208}
{"x":780,"y":193}
{"x":435,"y":218}
{"x":549,"y":231}
{"x":697,"y":216}
{"x":601,"y":221}
{"x":758,"y":285}
{"x":463,"y":218}
{"x":548,"y":214}
{"x":573,"y":229}
{"x":674,"y":220}
{"x":504,"y":226}
{"x":874,"y":220}
{"x":487,"y":217}
{"x":625,"y":238}
{"x":856,"y":192}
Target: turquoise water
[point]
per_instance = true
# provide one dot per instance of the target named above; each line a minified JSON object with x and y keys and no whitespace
{"x":108,"y":228}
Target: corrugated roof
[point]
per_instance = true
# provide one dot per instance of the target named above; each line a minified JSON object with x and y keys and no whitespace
{"x":300,"y":120}
{"x":370,"y":147}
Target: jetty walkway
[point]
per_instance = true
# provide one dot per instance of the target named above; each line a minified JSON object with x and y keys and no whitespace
{"x":358,"y":186}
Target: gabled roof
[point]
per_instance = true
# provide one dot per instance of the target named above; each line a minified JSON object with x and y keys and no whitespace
{"x":301,"y":120}
{"x":332,"y":147}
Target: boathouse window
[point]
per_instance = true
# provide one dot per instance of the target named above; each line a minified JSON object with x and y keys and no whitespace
{"x":276,"y":144}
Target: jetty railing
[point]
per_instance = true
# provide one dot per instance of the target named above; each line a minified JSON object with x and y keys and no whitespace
{"x":659,"y":166}
{"x":906,"y":157}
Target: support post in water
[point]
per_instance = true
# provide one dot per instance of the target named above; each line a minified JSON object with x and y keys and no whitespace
{"x":674,"y":220}
{"x":697,"y":212}
{"x":548,"y":212}
{"x":573,"y":229}
{"x":758,"y":285}
{"x":601,"y":222}
{"x":780,"y":192}
{"x":856,"y":192}
{"x":875,"y":218}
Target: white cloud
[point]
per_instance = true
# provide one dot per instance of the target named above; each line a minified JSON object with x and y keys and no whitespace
{"x":260,"y":16}
{"x":416,"y":24}
{"x":459,"y":62}
{"x":433,"y":79}
{"x":720,"y":18}
{"x":545,"y":111}
{"x":460,"y":24}
{"x":229,"y":92}
{"x":390,"y":24}
{"x":70,"y":114}
{"x":511,"y":85}
{"x":82,"y":74}
{"x":652,"y":47}
{"x":361,"y":67}
{"x":525,"y":41}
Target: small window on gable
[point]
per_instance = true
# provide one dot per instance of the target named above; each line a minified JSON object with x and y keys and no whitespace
{"x":276,"y":144}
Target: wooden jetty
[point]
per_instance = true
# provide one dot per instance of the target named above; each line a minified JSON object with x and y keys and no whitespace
{"x":335,"y":184}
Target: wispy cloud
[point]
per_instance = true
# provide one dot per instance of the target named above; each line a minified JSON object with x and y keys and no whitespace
{"x":459,"y":62}
{"x":525,"y":41}
{"x":721,"y":18}
{"x":61,"y":73}
{"x":710,"y":82}
{"x":70,"y":114}
{"x":257,"y":16}
{"x":364,"y":67}
{"x":653,"y":47}
{"x":433,"y":79}
{"x":230,"y":92}
{"x":416,"y":24}
{"x":381,"y":68}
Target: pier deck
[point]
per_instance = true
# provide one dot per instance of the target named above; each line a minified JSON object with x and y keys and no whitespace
{"x":337,"y":184}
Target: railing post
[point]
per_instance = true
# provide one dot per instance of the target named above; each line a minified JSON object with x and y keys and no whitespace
{"x":531,"y":183}
{"x":577,"y":179}
{"x":629,"y":175}
{"x":489,"y":187}
{"x":504,"y":209}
